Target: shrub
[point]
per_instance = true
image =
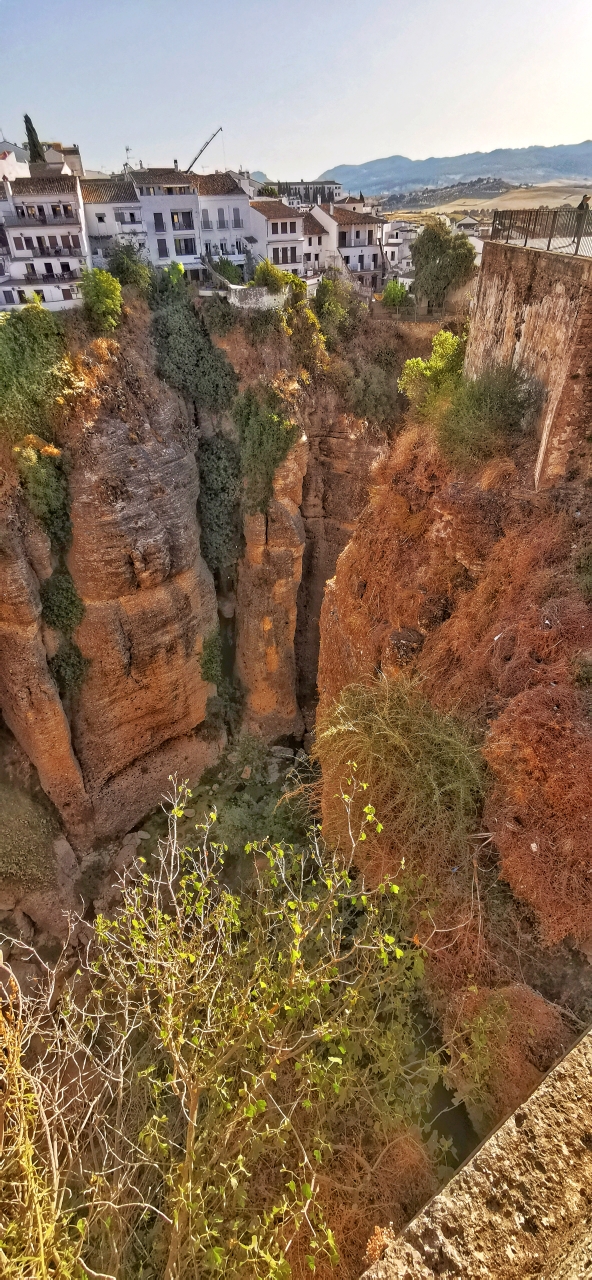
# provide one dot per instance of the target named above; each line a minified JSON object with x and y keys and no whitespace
{"x":372,"y":394}
{"x":268,"y":189}
{"x":584,"y":573}
{"x":307,"y":341}
{"x":101,"y":294}
{"x":218,"y":314}
{"x":268,"y":276}
{"x":211,"y":659}
{"x":486,"y":415}
{"x":395,"y":294}
{"x":32,"y":369}
{"x":228,"y":270}
{"x":219,"y":501}
{"x":187,"y":358}
{"x":224,"y":1053}
{"x":68,"y":667}
{"x":421,"y":379}
{"x":266,"y":436}
{"x":339,"y":310}
{"x":259,"y":324}
{"x":41,"y":470}
{"x":168,"y":284}
{"x":424,"y":772}
{"x":127,"y":264}
{"x":61,"y":605}
{"x":441,"y":260}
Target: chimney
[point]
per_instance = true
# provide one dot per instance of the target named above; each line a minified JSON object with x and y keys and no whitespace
{"x":331,"y":206}
{"x":176,"y":164}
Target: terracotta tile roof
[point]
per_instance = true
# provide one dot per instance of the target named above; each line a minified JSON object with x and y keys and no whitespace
{"x":312,"y":227}
{"x":275,"y":209}
{"x":345,"y":218}
{"x":61,"y":185}
{"x":217,"y":184}
{"x":108,"y":191}
{"x":163,"y":178}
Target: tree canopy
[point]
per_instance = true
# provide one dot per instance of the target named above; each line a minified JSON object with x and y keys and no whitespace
{"x":36,"y":152}
{"x":441,"y":260}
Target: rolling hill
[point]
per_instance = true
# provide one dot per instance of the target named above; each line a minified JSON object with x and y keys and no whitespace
{"x":572,"y":162}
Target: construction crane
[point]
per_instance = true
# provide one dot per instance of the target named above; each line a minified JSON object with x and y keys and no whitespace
{"x":202,"y":149}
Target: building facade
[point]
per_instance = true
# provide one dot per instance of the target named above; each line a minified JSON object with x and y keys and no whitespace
{"x":191,"y":217}
{"x":45,"y":240}
{"x":354,"y":243}
{"x":293,"y":239}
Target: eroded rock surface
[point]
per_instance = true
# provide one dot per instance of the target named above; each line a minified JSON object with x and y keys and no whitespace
{"x":522,"y":1205}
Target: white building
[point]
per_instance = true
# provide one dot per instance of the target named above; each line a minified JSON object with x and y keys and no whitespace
{"x":398,"y":237}
{"x":299,"y":193}
{"x":294,"y":239}
{"x":14,"y":161}
{"x":187,"y":215}
{"x":355,"y":242}
{"x":112,"y":211}
{"x":46,"y":239}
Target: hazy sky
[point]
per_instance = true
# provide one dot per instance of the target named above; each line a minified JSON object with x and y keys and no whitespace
{"x":298,"y":85}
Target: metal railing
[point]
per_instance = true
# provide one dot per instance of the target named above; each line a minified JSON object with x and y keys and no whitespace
{"x":552,"y":230}
{"x":39,"y":220}
{"x":20,"y":255}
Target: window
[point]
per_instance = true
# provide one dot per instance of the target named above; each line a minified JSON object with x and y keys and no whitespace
{"x":67,"y":295}
{"x":20,"y":212}
{"x":310,"y":243}
{"x":29,"y":242}
{"x":9,"y":296}
{"x":346,"y":260}
{"x":132,"y":216}
{"x":292,"y":228}
{"x":66,"y":268}
{"x":68,"y":211}
{"x":159,"y":222}
{"x":205,"y":220}
{"x":274,"y":228}
{"x":100,"y":217}
{"x":22,"y":297}
{"x":319,"y":241}
{"x":41,"y":212}
{"x":31,"y":211}
{"x":276,"y":255}
{"x":293,"y":253}
{"x":168,"y":191}
{"x":184,"y":247}
{"x":65,"y":242}
{"x":316,"y":258}
{"x":224,"y":248}
{"x":31,"y":270}
{"x":284,"y":228}
{"x":209,"y":248}
{"x":182,"y":221}
{"x":222,"y":223}
{"x":76,"y":241}
{"x":163,"y":248}
{"x":357,"y":234}
{"x":361,"y":261}
{"x":53,"y":242}
{"x":39,"y":294}
{"x":48,"y":266}
{"x":18,"y":243}
{"x":374,"y":259}
{"x":236,"y":218}
{"x":240,"y":246}
{"x":284,"y":255}
{"x":307,"y":257}
{"x":41,"y":243}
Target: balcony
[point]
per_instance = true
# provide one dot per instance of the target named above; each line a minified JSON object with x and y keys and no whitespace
{"x":350,"y":242}
{"x":237,"y":224}
{"x":57,"y":220}
{"x":64,"y":277}
{"x":20,"y":255}
{"x":207,"y":226}
{"x":292,"y":262}
{"x":223,"y":224}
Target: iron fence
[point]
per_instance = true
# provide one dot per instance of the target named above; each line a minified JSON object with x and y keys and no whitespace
{"x":554,"y":230}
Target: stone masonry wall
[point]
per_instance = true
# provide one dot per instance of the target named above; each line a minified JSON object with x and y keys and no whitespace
{"x":534,"y":310}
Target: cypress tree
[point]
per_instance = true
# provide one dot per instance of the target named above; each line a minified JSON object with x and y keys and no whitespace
{"x":36,"y":152}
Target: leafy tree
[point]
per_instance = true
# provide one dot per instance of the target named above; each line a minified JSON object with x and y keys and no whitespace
{"x":219,"y":501}
{"x":187,"y":358}
{"x":126,"y":262}
{"x":36,"y":152}
{"x":270,"y":277}
{"x":61,"y":605}
{"x":339,"y":310}
{"x":268,"y":190}
{"x":101,"y":294}
{"x":395,"y":294}
{"x":222,"y":1052}
{"x":168,"y":283}
{"x":266,"y":436}
{"x":33,"y":368}
{"x":307,"y":340}
{"x":421,"y":379}
{"x":441,"y":260}
{"x":229,"y":270}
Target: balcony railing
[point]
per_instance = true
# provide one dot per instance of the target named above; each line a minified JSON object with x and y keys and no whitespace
{"x":207,"y":226}
{"x":47,"y":253}
{"x":49,"y":220}
{"x":352,"y":243}
{"x":237,"y":224}
{"x":552,"y":230}
{"x":222,"y":224}
{"x":64,"y":277}
{"x":291,"y":263}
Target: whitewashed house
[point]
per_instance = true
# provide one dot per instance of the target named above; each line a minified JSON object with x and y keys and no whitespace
{"x":355,"y":242}
{"x":190,"y":217}
{"x":398,"y":237}
{"x":112,"y":212}
{"x":293,"y":239}
{"x":44,"y":226}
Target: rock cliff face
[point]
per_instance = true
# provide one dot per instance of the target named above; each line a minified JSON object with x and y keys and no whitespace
{"x":149,"y":602}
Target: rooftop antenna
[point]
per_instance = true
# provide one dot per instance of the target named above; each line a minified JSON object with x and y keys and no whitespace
{"x":128,"y":152}
{"x":202,"y":149}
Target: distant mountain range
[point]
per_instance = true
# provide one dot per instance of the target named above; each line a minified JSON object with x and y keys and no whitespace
{"x":572,"y":163}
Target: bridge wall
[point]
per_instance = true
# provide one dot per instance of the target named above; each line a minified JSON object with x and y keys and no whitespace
{"x":534,"y":310}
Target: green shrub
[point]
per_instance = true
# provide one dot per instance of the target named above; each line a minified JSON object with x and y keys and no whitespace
{"x":168,"y":284}
{"x":228,"y":270}
{"x":486,"y":415}
{"x":395,"y":294}
{"x":211,"y":659}
{"x":68,"y":667}
{"x":127,"y":263}
{"x":423,"y":771}
{"x":372,"y":394}
{"x":268,"y":276}
{"x":61,"y":605}
{"x":266,"y":436}
{"x":307,"y":341}
{"x":259,"y":324}
{"x":421,"y":379}
{"x":219,"y":501}
{"x":218,"y":314}
{"x":32,"y":369}
{"x":46,"y":489}
{"x":584,"y":573}
{"x":101,"y":295}
{"x":187,"y":358}
{"x":339,"y":310}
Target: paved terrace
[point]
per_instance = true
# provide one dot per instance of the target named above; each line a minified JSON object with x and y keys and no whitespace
{"x":522,"y":1205}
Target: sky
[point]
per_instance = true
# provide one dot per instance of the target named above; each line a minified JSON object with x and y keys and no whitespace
{"x":297,"y":85}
